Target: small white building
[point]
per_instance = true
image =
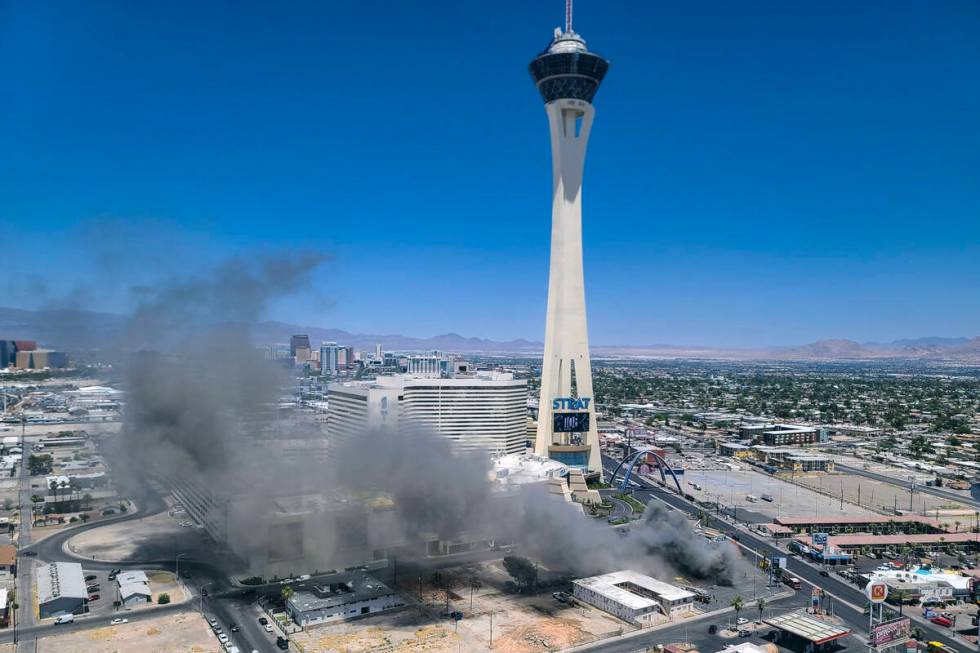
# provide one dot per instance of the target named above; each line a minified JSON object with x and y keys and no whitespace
{"x":633,"y":597}
{"x":134,"y":588}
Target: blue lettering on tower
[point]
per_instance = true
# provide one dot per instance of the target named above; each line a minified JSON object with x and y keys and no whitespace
{"x":570,"y":403}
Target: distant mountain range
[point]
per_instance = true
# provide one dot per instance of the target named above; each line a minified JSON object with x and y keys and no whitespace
{"x":75,"y":330}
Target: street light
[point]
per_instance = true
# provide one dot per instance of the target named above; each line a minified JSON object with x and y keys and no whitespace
{"x":177,"y":565}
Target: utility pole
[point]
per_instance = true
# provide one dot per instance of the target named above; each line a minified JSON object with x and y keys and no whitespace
{"x":491,"y":629}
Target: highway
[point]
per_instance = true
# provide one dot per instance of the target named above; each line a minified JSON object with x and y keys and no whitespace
{"x":849,"y":600}
{"x":906,"y":484}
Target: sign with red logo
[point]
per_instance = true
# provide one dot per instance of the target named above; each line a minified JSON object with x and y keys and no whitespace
{"x":876,"y":591}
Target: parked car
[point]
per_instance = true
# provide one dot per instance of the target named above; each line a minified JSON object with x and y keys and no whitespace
{"x":263,"y":621}
{"x":824,"y":572}
{"x":282,"y":643}
{"x":744,"y":633}
{"x":712,"y":629}
{"x":29,"y":554}
{"x":741,"y":621}
{"x":268,"y":627}
{"x":90,"y":577}
{"x":222,"y":638}
{"x":116,"y":622}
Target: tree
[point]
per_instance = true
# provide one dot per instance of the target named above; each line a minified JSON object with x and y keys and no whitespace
{"x":901,"y":596}
{"x":84,"y":517}
{"x":53,"y":486}
{"x":737,"y":603}
{"x":286,"y":593}
{"x":163,"y":599}
{"x":87,"y":500}
{"x":523,"y":571}
{"x":761,"y":605}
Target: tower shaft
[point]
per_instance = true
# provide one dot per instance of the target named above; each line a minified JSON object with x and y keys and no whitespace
{"x":566,"y":376}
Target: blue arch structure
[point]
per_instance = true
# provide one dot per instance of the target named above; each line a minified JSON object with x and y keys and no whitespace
{"x":632,"y":464}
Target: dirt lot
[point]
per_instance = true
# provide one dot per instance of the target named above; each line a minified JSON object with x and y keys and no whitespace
{"x":521,"y":624}
{"x":878,"y":495}
{"x":177,"y":633}
{"x":156,"y":536}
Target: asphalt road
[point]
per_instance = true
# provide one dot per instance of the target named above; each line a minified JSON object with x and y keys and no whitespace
{"x":844,"y":594}
{"x":902,"y":483}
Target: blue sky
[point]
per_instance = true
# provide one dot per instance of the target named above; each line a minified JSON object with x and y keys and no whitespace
{"x":760,"y":173}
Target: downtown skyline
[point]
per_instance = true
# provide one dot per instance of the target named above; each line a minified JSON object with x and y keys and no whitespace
{"x":763,"y":177}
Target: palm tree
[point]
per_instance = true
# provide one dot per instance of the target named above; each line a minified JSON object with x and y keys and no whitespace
{"x":761,"y":605}
{"x":287,"y":593}
{"x":738,"y":604}
{"x":900,"y":596}
{"x":957,"y":523}
{"x":53,"y":486}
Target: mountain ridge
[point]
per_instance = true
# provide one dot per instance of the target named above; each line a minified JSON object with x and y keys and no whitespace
{"x":78,"y":329}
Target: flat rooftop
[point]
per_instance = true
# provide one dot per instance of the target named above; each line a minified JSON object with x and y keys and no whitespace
{"x":805,"y":626}
{"x":349,"y":588}
{"x":608,"y":586}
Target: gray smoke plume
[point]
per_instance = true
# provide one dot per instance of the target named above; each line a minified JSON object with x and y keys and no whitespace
{"x":203,"y":402}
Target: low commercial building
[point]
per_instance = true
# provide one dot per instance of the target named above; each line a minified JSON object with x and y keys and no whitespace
{"x":793,"y":459}
{"x":61,"y":589}
{"x":347,"y":596}
{"x":633,"y":597}
{"x":873,"y":524}
{"x":8,"y":558}
{"x":134,"y":588}
{"x":879,"y":543}
{"x":734,"y":450}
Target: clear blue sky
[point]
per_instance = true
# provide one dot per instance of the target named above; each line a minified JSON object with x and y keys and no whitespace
{"x":760,"y":172}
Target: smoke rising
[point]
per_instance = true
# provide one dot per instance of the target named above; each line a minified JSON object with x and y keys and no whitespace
{"x":203,"y":403}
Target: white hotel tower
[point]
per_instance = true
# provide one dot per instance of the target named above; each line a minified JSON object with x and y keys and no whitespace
{"x":568,"y":76}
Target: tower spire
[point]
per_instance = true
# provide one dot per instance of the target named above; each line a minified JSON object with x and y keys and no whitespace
{"x":568,"y":16}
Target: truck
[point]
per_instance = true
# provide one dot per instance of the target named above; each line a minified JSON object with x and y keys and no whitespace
{"x":64,"y":619}
{"x":792,"y":581}
{"x":751,"y":498}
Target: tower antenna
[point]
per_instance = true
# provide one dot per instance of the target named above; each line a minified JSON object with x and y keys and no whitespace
{"x":568,"y":16}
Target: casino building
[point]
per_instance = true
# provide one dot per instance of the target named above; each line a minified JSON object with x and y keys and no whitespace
{"x":480,"y":411}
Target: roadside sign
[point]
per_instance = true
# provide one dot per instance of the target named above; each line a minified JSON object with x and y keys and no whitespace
{"x":819,"y":538}
{"x":876,"y":591}
{"x":891,"y":633}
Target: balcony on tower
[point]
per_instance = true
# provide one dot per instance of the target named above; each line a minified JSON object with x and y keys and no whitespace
{"x":567,"y":70}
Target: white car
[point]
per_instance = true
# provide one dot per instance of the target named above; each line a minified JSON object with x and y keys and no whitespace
{"x":741,"y":621}
{"x":116,"y":622}
{"x":268,"y":628}
{"x":222,"y":638}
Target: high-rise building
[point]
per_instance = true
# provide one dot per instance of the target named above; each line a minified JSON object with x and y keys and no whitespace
{"x":377,"y":352}
{"x":298,"y":342}
{"x":568,"y":76}
{"x":485,"y":412}
{"x":329,"y":358}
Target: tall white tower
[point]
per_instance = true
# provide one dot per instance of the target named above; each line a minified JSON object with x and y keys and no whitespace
{"x":568,"y":76}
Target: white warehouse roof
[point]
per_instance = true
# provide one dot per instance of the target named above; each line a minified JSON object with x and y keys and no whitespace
{"x":60,"y":579}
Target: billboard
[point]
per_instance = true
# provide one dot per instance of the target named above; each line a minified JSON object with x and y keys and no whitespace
{"x":891,"y":632}
{"x":571,"y":422}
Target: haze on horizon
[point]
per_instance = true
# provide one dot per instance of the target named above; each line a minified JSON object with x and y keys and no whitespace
{"x":760,"y":174}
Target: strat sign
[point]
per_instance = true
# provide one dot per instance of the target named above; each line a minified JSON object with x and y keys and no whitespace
{"x":570,"y":403}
